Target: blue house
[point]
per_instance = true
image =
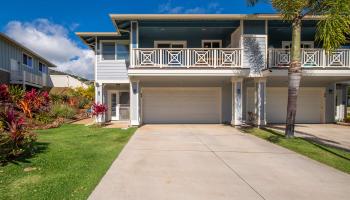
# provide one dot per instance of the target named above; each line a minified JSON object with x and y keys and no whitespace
{"x":213,"y":68}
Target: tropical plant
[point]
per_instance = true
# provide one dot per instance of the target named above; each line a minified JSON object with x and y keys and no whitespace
{"x":34,"y":101}
{"x":16,"y":93}
{"x":4,"y":93}
{"x":14,"y":138}
{"x":63,"y":110}
{"x":56,"y":98}
{"x":98,"y":109}
{"x":87,"y":93}
{"x":332,"y":30}
{"x":44,"y":117}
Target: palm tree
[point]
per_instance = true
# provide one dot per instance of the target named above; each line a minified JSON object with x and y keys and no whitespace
{"x":332,"y":30}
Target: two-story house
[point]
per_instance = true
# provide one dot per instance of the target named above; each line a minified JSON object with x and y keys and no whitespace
{"x":21,"y":66}
{"x":213,"y":68}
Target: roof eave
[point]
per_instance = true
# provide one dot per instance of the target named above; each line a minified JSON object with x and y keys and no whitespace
{"x":203,"y":17}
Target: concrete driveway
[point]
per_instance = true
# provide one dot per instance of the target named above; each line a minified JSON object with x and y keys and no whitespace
{"x":330,"y":134}
{"x":207,"y":162}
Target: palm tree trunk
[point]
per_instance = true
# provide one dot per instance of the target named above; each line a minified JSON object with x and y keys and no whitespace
{"x":294,"y":76}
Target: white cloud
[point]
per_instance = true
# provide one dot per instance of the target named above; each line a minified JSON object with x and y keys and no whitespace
{"x":169,"y":8}
{"x":53,"y":43}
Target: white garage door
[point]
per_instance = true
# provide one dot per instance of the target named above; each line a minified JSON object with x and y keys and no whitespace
{"x":181,"y":105}
{"x":310,"y":105}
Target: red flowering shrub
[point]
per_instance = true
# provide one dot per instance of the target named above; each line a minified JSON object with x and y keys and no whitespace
{"x":4,"y":93}
{"x":14,"y":138}
{"x":34,"y":101}
{"x":98,"y":109}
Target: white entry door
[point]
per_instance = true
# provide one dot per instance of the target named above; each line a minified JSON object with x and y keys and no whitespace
{"x":113,"y":105}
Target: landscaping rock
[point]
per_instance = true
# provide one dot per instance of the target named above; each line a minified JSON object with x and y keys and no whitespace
{"x":29,"y":169}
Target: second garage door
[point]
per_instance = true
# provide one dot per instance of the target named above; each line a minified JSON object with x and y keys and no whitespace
{"x":310,"y":105}
{"x":181,"y":105}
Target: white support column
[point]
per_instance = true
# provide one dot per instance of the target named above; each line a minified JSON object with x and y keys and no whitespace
{"x":99,"y":99}
{"x":134,"y":41}
{"x":260,"y":101}
{"x":135,"y":103}
{"x":237,"y":94}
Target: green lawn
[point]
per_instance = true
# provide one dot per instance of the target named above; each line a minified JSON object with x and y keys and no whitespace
{"x":333,"y":157}
{"x":69,"y":164}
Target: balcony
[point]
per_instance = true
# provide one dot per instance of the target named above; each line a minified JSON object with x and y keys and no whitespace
{"x":311,"y":58}
{"x":186,"y":58}
{"x":20,"y":75}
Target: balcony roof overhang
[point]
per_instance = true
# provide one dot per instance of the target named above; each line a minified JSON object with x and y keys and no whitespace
{"x":89,"y":38}
{"x":203,"y":17}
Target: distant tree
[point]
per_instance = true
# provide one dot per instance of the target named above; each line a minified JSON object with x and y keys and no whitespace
{"x":332,"y":30}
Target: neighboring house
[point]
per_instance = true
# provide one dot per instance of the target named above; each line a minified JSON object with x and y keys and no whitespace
{"x":213,"y":69}
{"x":22,"y":66}
{"x":61,"y":81}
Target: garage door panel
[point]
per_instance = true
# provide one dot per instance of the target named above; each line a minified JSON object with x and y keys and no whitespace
{"x":309,"y":105}
{"x":181,"y":105}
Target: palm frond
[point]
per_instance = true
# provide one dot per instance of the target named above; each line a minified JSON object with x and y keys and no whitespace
{"x":333,"y":29}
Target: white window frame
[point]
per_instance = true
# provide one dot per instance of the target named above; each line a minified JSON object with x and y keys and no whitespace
{"x":211,"y":41}
{"x":101,"y":50}
{"x":171,"y":42}
{"x":289,"y":43}
{"x":116,"y":59}
{"x":28,"y":56}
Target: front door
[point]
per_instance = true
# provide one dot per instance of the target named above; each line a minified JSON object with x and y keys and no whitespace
{"x":114,"y":101}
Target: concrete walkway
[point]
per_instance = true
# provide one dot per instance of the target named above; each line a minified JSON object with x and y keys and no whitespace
{"x":330,"y":134}
{"x":207,"y":162}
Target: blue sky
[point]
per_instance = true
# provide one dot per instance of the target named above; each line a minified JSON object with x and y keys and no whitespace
{"x":40,"y":21}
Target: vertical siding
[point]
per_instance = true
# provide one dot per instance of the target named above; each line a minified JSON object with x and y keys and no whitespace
{"x":10,"y":51}
{"x":7,"y":53}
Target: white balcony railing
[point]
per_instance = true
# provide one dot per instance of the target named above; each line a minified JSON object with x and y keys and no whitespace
{"x":318,"y":58}
{"x":186,"y":57}
{"x":20,"y":75}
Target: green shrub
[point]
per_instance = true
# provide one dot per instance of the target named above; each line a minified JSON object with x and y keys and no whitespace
{"x":44,"y":117}
{"x":83,"y":103}
{"x":56,"y":98}
{"x":63,"y":110}
{"x":11,"y":148}
{"x":16,"y":93}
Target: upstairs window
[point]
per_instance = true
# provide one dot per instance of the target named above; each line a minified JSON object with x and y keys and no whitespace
{"x":115,"y":50}
{"x":42,"y":67}
{"x":122,"y":50}
{"x":108,"y":50}
{"x":27,"y":61}
{"x":211,"y":43}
